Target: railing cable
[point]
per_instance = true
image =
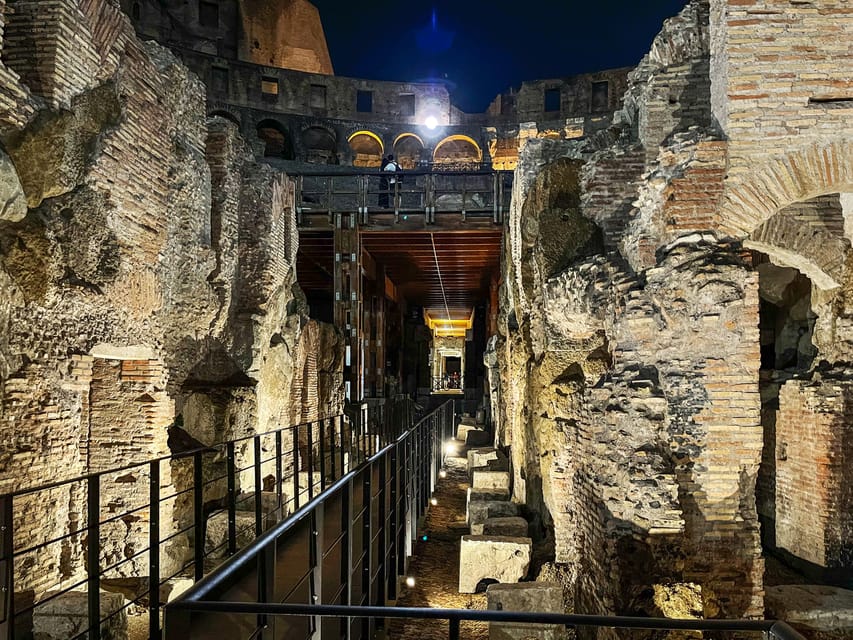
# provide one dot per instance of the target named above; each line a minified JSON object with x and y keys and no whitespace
{"x":440,"y":280}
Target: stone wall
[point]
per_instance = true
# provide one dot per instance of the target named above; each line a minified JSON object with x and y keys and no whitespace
{"x":147,"y":269}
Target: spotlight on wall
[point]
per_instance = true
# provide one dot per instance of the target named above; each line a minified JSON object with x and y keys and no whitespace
{"x":410,"y":581}
{"x":433,"y":501}
{"x":431,"y":122}
{"x":442,"y":474}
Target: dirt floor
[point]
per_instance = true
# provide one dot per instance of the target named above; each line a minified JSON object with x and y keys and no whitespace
{"x":435,"y":565}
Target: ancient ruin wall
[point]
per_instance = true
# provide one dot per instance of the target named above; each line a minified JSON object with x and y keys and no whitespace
{"x":144,"y":259}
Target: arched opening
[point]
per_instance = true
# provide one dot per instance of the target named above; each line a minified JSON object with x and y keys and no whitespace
{"x":225,"y":114}
{"x":367,"y":149}
{"x":408,"y":150}
{"x":457,"y":152}
{"x":136,"y":11}
{"x":277,"y":142}
{"x":801,"y":254}
{"x":319,"y":144}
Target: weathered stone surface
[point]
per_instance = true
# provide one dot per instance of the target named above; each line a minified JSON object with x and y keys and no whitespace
{"x":514,"y":527}
{"x":495,"y":558}
{"x":532,"y":597}
{"x":481,"y":510}
{"x":489,"y":480}
{"x":465,"y":425}
{"x":13,"y":202}
{"x":820,"y":612}
{"x":216,"y":532}
{"x":65,"y":616}
{"x":486,"y":494}
{"x":478,"y":438}
{"x":480,"y":456}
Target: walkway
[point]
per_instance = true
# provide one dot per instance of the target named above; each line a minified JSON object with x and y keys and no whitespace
{"x":435,"y":565}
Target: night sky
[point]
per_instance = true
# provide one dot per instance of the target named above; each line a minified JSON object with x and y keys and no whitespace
{"x":486,"y":46}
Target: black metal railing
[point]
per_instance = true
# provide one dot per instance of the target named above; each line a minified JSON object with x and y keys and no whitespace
{"x":348,"y":546}
{"x":481,"y":194}
{"x":179,"y":615}
{"x":138,"y":527}
{"x":448,"y":382}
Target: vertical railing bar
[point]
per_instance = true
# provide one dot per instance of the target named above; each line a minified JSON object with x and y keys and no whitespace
{"x":154,"y":551}
{"x":259,"y":517}
{"x":310,"y":429}
{"x":296,"y":468}
{"x":231,"y":497}
{"x":322,"y":449}
{"x":332,"y":422}
{"x":7,"y":551}
{"x":453,"y":629}
{"x":279,"y":476}
{"x":93,"y":553}
{"x":198,"y":516}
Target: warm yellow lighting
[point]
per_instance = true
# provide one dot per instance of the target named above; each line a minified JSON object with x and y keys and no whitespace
{"x":410,"y":582}
{"x":450,"y":449}
{"x":433,"y":501}
{"x":369,"y":134}
{"x":462,"y":138}
{"x":442,"y":474}
{"x":402,"y":136}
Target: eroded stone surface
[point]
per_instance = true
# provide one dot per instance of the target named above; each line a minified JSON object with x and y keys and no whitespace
{"x":819,"y":611}
{"x":514,"y":527}
{"x":497,"y":558}
{"x":481,"y":510}
{"x":66,"y":616}
{"x":532,"y":597}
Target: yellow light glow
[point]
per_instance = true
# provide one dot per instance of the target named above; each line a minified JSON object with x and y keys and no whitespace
{"x":369,"y":134}
{"x":456,"y":137}
{"x":402,"y":136}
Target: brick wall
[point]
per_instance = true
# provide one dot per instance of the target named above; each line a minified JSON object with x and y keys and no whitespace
{"x":814,"y":509}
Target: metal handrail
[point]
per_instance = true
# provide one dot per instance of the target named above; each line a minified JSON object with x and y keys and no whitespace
{"x":776,"y":629}
{"x":339,"y":437}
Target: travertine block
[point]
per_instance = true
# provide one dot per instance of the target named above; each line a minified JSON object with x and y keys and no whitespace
{"x":216,"y":533}
{"x":480,"y":457}
{"x":500,"y":558}
{"x":478,"y":438}
{"x":481,"y":510}
{"x":513,"y":526}
{"x":490,"y":480}
{"x":66,"y":616}
{"x":534,"y":597}
{"x":818,"y":611}
{"x":487,"y":495}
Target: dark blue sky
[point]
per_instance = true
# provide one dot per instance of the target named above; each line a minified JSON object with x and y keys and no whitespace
{"x":487,"y":46}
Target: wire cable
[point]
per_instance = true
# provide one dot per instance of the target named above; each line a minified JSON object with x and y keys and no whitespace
{"x":440,"y":280}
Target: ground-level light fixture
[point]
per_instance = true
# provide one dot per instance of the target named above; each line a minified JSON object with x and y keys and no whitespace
{"x":450,"y":449}
{"x":442,"y":474}
{"x":433,"y":501}
{"x":410,"y":581}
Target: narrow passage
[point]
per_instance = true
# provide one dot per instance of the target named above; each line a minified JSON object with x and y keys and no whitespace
{"x":435,"y":564}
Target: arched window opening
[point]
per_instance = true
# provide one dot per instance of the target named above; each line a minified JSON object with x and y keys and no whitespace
{"x":457,"y":152}
{"x":277,"y":143}
{"x":320,"y":146}
{"x":408,"y":150}
{"x":136,"y":11}
{"x":225,"y":114}
{"x":367,"y":149}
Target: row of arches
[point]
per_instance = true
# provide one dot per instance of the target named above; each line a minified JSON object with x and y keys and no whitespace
{"x":319,"y":145}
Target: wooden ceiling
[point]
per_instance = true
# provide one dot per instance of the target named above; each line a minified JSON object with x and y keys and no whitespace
{"x":418,"y":262}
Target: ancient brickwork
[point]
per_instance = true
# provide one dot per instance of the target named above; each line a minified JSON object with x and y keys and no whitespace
{"x":782,"y":84}
{"x":813,"y":482}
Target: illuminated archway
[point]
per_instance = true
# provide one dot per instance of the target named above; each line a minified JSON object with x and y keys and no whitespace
{"x":408,"y":149}
{"x":367,"y":149}
{"x":277,"y":143}
{"x":457,"y":151}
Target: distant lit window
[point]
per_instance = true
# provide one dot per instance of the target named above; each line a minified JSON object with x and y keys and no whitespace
{"x":269,"y":86}
{"x":600,"y":100}
{"x":208,"y":14}
{"x":364,"y":102}
{"x":407,"y":104}
{"x":219,"y":80}
{"x":318,"y":96}
{"x":552,"y":99}
{"x":136,"y":11}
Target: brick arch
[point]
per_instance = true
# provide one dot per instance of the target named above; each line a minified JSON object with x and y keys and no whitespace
{"x":799,"y":174}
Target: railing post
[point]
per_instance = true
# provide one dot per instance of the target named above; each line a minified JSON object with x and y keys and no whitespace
{"x":310,"y":427}
{"x":332,"y":421}
{"x":279,"y":476}
{"x":322,"y":451}
{"x":231,"y":498}
{"x":495,"y":195}
{"x":7,"y":569}
{"x":317,"y":547}
{"x":295,"y":468}
{"x":453,"y":629}
{"x":154,"y":550}
{"x":298,"y":200}
{"x":393,"y":519}
{"x":259,"y":516}
{"x":198,"y":516}
{"x":93,"y":553}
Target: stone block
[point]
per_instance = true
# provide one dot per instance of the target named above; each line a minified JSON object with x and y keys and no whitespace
{"x":288,"y":492}
{"x":479,"y":457}
{"x":478,"y":438}
{"x":489,"y":495}
{"x":533,"y":597}
{"x":216,"y":533}
{"x":462,"y":430}
{"x":490,"y":480}
{"x":269,"y":502}
{"x":494,"y":558}
{"x":481,"y":510}
{"x":817,"y":611}
{"x":514,"y":527}
{"x":66,"y":616}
